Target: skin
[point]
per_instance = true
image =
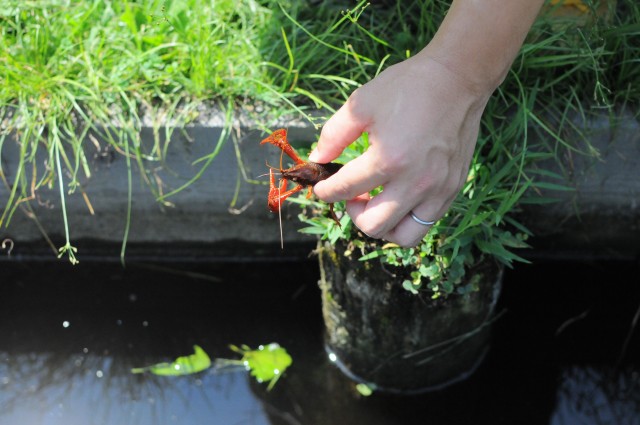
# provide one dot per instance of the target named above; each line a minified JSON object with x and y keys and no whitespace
{"x":423,"y":118}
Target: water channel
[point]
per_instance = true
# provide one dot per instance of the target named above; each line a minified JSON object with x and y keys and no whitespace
{"x":564,"y":352}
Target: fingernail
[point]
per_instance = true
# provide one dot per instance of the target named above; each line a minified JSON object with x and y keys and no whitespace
{"x":313,"y":156}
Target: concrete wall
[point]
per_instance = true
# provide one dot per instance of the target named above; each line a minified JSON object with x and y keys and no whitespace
{"x":201,"y":223}
{"x":600,"y":218}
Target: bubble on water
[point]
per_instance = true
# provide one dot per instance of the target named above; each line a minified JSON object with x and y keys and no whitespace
{"x":66,"y":324}
{"x":85,"y":350}
{"x":99,"y":374}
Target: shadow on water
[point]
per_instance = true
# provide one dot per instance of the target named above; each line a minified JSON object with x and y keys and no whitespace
{"x":564,"y":353}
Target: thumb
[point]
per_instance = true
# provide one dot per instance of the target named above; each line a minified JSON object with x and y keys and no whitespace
{"x":337,"y":133}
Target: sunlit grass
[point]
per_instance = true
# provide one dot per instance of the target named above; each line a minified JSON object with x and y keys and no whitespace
{"x":71,"y":68}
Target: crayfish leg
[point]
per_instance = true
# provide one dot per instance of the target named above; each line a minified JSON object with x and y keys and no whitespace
{"x":274,"y":199}
{"x":334,"y":216}
{"x":277,"y":195}
{"x":273,"y":189}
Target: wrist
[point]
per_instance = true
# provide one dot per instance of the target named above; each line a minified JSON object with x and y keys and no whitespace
{"x":478,"y":81}
{"x":479,"y":39}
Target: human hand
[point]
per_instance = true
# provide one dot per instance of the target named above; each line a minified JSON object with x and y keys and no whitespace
{"x":423,"y":121}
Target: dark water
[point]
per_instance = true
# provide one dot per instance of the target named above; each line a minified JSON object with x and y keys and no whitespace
{"x":565,"y":351}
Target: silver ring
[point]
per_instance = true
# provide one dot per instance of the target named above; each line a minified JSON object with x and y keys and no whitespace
{"x":419,"y":221}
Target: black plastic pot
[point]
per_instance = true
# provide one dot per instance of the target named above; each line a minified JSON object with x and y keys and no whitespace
{"x":380,"y":334}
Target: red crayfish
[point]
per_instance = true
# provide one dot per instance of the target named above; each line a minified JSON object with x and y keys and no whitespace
{"x":304,"y":173}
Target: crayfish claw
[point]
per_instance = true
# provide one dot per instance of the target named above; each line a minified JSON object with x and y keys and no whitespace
{"x":279,"y":138}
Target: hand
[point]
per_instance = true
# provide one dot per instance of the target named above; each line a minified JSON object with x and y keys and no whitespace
{"x":423,"y":121}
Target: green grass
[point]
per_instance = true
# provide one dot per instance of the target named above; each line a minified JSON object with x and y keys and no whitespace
{"x":68,"y":68}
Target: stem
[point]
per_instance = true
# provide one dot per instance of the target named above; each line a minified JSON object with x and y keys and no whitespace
{"x":67,"y":248}
{"x":127,"y":226}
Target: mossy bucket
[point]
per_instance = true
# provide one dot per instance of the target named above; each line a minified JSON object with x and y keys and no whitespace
{"x":378,"y":333}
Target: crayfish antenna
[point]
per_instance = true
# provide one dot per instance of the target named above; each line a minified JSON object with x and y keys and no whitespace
{"x":263,"y":175}
{"x":280,"y":220}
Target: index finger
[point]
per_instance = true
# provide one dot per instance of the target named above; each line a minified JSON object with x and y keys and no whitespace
{"x":342,"y":129}
{"x":356,"y":177}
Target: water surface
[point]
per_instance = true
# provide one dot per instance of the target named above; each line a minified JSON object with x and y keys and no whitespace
{"x":564,"y":352}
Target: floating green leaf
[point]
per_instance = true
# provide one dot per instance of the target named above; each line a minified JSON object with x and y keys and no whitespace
{"x":184,"y":365}
{"x":365,"y":390}
{"x":267,"y":363}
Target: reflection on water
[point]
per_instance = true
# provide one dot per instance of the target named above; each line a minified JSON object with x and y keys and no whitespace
{"x":598,"y":395}
{"x":92,"y":389}
{"x":70,"y":336}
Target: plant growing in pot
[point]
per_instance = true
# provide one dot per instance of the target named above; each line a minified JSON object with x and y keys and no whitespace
{"x":410,"y":319}
{"x":413,"y":319}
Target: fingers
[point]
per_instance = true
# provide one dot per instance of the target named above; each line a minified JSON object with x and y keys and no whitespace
{"x":342,"y":129}
{"x":390,"y":220}
{"x":408,"y":232}
{"x":384,"y":220}
{"x":356,"y":177}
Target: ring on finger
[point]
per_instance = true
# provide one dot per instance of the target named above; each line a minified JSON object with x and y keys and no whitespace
{"x":420,"y":221}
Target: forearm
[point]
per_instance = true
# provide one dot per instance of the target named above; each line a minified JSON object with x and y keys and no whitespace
{"x":479,"y":39}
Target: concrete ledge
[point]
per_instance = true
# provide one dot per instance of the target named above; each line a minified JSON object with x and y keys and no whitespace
{"x":601,"y":218}
{"x":202,"y":214}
